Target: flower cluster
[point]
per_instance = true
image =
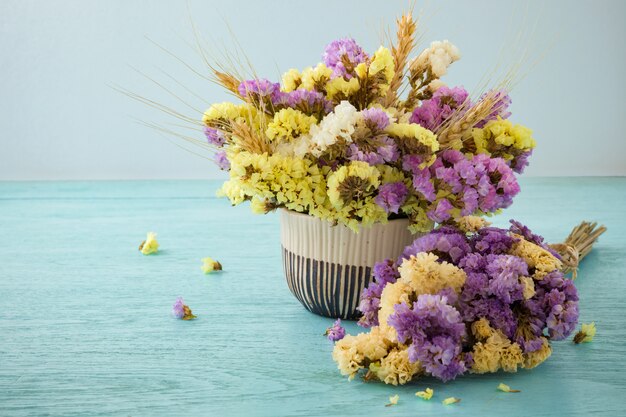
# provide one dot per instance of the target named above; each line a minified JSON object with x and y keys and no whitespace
{"x":337,"y":140}
{"x":460,"y":300}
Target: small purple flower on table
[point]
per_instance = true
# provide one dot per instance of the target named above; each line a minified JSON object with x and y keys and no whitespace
{"x":335,"y":332}
{"x":182,"y":311}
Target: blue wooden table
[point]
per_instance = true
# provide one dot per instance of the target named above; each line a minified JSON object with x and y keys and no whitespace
{"x":85,"y":325}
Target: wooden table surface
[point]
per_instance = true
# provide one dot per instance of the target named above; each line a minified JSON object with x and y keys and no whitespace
{"x":85,"y":325}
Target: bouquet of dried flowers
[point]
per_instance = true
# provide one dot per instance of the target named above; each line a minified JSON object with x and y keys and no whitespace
{"x":361,"y":138}
{"x":466,"y":298}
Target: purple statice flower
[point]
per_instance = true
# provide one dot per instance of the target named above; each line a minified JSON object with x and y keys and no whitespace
{"x":499,"y":313}
{"x":496,"y":185}
{"x":504,"y":272}
{"x":385,"y":150}
{"x":308,"y":102}
{"x":259,"y":89}
{"x":214,"y":136}
{"x":434,"y":331}
{"x":384,"y":272}
{"x":369,"y":304}
{"x":391,"y":196}
{"x":342,"y":56}
{"x":335,"y":332}
{"x":531,"y":345}
{"x":492,"y":240}
{"x":521,"y":161}
{"x":432,"y":113}
{"x":376,"y":119}
{"x":500,"y":109}
{"x":221,"y":160}
{"x":178,"y":309}
{"x":421,"y":176}
{"x":519,"y":229}
{"x":442,"y":212}
{"x":491,"y":286}
{"x":554,"y":306}
{"x":449,"y":244}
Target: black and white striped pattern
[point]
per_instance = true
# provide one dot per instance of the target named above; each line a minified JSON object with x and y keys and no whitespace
{"x":325,"y":288}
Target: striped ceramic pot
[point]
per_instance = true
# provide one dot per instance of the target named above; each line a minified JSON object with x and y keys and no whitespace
{"x":327,"y":266}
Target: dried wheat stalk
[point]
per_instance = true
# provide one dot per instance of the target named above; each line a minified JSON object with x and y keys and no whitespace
{"x":578,"y":245}
{"x":401,"y":51}
{"x":247,"y":139}
{"x":227,"y":81}
{"x":459,"y":128}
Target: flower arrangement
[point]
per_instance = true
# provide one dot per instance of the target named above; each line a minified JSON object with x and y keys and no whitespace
{"x":464,"y":298}
{"x":361,"y":138}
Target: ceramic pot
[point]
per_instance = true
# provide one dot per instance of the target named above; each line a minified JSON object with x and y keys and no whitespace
{"x":328,"y":266}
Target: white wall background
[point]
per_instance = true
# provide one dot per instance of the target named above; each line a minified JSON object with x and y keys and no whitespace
{"x":59,"y":118}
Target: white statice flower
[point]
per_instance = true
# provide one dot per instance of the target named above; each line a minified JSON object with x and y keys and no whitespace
{"x":336,"y":125}
{"x":298,"y":147}
{"x":437,"y":57}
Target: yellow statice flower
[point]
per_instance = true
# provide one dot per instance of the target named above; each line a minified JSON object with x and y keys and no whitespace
{"x":352,"y":182}
{"x":361,"y":70}
{"x":528,"y":290}
{"x":481,"y":329}
{"x":316,"y":78}
{"x":271,"y":181}
{"x":291,"y":80}
{"x":535,"y":256}
{"x":150,"y":245}
{"x":426,"y":275}
{"x":351,"y":352}
{"x":210,"y":265}
{"x":427,"y":394}
{"x":496,"y":352}
{"x":289,"y":124}
{"x":340,"y":87}
{"x":471,"y":224}
{"x":382,"y":63}
{"x":345,"y":354}
{"x":351,"y":191}
{"x":393,"y":293}
{"x":417,"y":139}
{"x":511,"y":357}
{"x":396,"y":368}
{"x":503,"y":139}
{"x":532,"y":359}
{"x":229,"y":111}
{"x":586,"y":334}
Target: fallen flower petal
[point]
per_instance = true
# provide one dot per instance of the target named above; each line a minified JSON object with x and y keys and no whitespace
{"x":427,"y":394}
{"x":393,"y":400}
{"x":451,"y":400}
{"x":150,"y":245}
{"x":586,"y":333}
{"x":210,"y":265}
{"x":182,"y":311}
{"x":335,"y":332}
{"x":505,"y":388}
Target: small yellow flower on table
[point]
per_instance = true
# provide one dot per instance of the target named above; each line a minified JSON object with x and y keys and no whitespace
{"x":150,"y":245}
{"x":210,"y":265}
